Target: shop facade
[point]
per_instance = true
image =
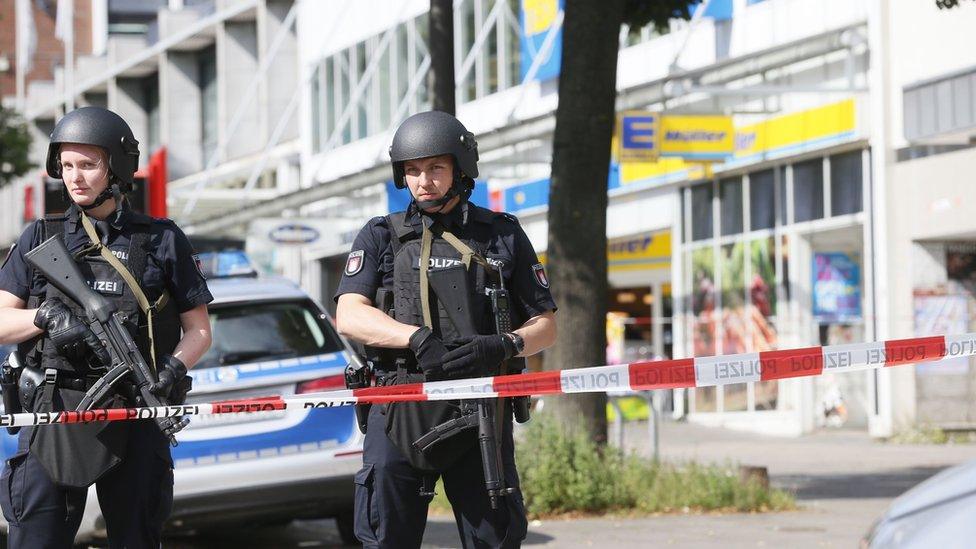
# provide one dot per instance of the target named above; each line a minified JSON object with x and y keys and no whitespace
{"x":771,"y":256}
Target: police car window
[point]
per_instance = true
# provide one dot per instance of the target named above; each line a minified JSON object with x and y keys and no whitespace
{"x":266,"y":331}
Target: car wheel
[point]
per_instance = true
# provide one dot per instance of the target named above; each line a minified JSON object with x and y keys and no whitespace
{"x":347,"y":532}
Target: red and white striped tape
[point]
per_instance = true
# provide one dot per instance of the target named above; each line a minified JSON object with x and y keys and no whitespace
{"x":637,"y":376}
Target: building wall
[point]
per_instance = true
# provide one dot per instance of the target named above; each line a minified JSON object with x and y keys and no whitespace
{"x":927,"y":201}
{"x":931,"y":204}
{"x":50,"y":50}
{"x":926,"y":42}
{"x":328,"y":27}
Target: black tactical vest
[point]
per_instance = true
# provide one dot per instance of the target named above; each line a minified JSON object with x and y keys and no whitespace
{"x":409,"y":421}
{"x":104,"y":279}
{"x":406,"y":280}
{"x":77,"y":455}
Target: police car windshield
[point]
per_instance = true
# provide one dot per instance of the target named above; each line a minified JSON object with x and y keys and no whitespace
{"x":267,"y":331}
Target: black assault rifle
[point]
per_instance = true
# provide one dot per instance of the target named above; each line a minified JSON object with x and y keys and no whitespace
{"x":451,"y":287}
{"x":53,"y":260}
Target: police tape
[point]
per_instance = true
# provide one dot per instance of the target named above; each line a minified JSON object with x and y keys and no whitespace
{"x":637,"y":376}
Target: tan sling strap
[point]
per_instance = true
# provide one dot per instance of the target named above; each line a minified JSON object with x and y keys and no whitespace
{"x":425,"y":245}
{"x":147,"y":308}
{"x":426,"y":242}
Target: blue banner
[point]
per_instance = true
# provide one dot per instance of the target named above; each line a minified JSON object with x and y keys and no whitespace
{"x":537,"y":17}
{"x":535,"y":194}
{"x":719,"y":10}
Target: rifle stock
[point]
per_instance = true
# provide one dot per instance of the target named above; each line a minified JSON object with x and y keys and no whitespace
{"x":52,"y":259}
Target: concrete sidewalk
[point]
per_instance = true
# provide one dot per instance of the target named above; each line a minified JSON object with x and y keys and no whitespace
{"x":843,"y":481}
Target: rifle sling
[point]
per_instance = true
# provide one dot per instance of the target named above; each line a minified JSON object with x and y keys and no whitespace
{"x":147,"y":308}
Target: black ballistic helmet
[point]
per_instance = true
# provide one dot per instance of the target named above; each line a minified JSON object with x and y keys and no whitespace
{"x":102,"y":128}
{"x":434,"y":133}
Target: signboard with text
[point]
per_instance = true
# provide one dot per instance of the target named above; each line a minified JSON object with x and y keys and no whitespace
{"x":638,"y":136}
{"x":703,"y":138}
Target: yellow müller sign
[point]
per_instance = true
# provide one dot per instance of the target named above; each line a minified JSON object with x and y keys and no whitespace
{"x":795,"y":132}
{"x":643,"y":136}
{"x":776,"y":137}
{"x":701,"y":138}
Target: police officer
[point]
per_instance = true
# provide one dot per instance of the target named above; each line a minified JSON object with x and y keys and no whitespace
{"x":440,"y":233}
{"x":145,"y":267}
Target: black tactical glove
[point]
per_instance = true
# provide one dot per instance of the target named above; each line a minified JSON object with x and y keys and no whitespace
{"x":70,"y":335}
{"x":171,"y":372}
{"x":478,"y":355}
{"x":178,"y":395}
{"x":429,"y":350}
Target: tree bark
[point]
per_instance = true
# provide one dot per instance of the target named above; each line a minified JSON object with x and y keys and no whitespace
{"x":440,"y":78}
{"x":578,"y":199}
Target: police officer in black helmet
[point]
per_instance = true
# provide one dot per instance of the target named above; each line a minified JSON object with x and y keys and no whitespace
{"x":44,"y":485}
{"x":435,"y":157}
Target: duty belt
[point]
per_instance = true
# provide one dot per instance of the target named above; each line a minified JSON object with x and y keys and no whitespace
{"x":82,"y":383}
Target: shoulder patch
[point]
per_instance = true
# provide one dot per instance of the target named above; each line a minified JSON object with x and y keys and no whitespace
{"x":198,"y":263}
{"x":10,"y":252}
{"x":354,"y":263}
{"x":540,"y":275}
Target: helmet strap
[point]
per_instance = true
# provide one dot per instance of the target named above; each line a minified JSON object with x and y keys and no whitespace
{"x":112,"y":191}
{"x":101,"y":198}
{"x":456,"y":183}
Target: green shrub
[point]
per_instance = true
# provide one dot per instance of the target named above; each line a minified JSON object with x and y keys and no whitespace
{"x":564,"y":472}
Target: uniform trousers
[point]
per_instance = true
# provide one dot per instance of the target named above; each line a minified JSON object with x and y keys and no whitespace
{"x":135,"y":497}
{"x":391,"y":513}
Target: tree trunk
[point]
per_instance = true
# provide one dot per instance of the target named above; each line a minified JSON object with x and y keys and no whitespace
{"x":578,"y":199}
{"x":440,"y":78}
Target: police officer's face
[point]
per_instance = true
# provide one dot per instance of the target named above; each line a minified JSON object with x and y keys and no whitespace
{"x":84,"y":169}
{"x":430,"y":178}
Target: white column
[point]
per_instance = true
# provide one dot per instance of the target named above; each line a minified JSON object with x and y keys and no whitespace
{"x":237,"y":66}
{"x":880,"y":105}
{"x":180,"y":112}
{"x":657,"y":318}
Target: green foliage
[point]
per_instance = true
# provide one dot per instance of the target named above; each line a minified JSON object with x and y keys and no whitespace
{"x":15,"y":143}
{"x":565,"y":472}
{"x":638,"y":13}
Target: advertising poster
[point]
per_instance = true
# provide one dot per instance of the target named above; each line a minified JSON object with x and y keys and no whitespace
{"x":938,"y":315}
{"x":836,"y":288}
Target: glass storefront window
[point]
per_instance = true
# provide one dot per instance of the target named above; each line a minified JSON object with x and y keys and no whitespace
{"x":739,"y":288}
{"x":846,"y":177}
{"x":762,"y":200}
{"x":808,"y":199}
{"x":730,"y":201}
{"x":781,"y":213}
{"x":701,"y":212}
{"x":703,"y":301}
{"x":706,"y":399}
{"x":734,"y":336}
{"x":735,"y":332}
{"x":762,"y":313}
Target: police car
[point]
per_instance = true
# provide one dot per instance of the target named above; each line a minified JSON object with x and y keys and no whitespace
{"x":270,"y":339}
